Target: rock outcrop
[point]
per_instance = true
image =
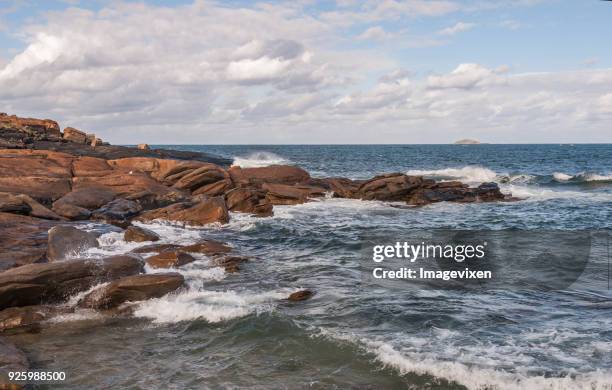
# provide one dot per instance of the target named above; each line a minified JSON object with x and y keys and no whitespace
{"x":132,"y":289}
{"x":23,"y":240}
{"x":248,"y":200}
{"x":204,"y":212}
{"x":139,"y":234}
{"x":279,"y":174}
{"x":54,"y":282}
{"x":169,"y":259}
{"x":68,"y":241}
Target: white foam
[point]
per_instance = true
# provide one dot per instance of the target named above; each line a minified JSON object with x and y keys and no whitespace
{"x":542,"y":194}
{"x":467,"y":174}
{"x":212,"y":306}
{"x":581,"y":177}
{"x":560,"y":176}
{"x":259,"y":159}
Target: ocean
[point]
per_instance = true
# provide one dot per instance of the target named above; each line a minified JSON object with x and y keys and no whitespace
{"x":236,"y":331}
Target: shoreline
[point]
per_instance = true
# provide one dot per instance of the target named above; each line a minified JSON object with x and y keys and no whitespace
{"x":51,"y":182}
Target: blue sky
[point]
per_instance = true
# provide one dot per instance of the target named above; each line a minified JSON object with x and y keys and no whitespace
{"x":315,"y":72}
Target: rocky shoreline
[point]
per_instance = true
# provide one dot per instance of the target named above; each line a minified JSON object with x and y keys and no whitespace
{"x":52,"y":182}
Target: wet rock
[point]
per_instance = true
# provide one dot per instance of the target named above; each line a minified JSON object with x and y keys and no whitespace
{"x":131,"y":289}
{"x":280,"y":174}
{"x":341,"y":187}
{"x":68,"y":241}
{"x":72,"y":212}
{"x":282,"y":194}
{"x":33,"y":284}
{"x":390,"y":187}
{"x":156,"y":248}
{"x":248,"y":200}
{"x":119,"y":212}
{"x":138,"y":234}
{"x":301,"y":295}
{"x":170,"y":259}
{"x":490,"y":192}
{"x":37,"y":209}
{"x":11,"y":359}
{"x":231,"y":264}
{"x":201,"y":213}
{"x":207,"y":247}
{"x":28,"y":318}
{"x":23,"y":240}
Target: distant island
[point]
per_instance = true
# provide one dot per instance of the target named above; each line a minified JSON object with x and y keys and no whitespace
{"x":467,"y":141}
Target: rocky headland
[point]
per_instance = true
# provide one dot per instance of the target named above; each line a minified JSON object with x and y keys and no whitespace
{"x":53,"y":181}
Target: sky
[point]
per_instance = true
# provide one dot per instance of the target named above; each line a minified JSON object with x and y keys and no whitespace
{"x":312,"y":72}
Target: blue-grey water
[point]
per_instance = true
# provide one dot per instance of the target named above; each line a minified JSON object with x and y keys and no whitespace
{"x":235,"y":331}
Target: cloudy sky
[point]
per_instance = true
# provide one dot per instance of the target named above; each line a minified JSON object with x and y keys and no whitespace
{"x":304,"y":71}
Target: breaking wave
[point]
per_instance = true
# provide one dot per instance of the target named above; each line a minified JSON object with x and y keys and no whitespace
{"x":259,"y":159}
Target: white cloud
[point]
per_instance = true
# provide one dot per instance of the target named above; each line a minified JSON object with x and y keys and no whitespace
{"x":457,"y":28}
{"x":465,"y":76}
{"x":207,"y":73}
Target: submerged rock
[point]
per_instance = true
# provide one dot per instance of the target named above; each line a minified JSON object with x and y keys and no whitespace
{"x":231,"y":263}
{"x":11,"y":359}
{"x":28,"y":318}
{"x":169,"y":259}
{"x":207,"y":247}
{"x":68,"y":241}
{"x":301,"y":295}
{"x":131,"y":289}
{"x":138,"y":234}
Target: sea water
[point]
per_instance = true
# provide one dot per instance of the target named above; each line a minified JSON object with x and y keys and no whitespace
{"x":236,"y":331}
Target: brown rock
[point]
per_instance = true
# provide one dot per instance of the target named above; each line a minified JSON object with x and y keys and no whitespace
{"x":91,"y":166}
{"x":281,"y":174}
{"x":215,"y":189}
{"x":131,"y":289}
{"x":207,"y":247}
{"x":171,"y":173}
{"x":68,"y":241}
{"x":143,"y":146}
{"x":390,"y":187}
{"x":10,"y":203}
{"x":37,"y":128}
{"x":301,"y":295}
{"x":27,"y":318}
{"x":43,"y":175}
{"x":37,"y":209}
{"x":282,"y":194}
{"x":202,"y":176}
{"x":342,"y":187}
{"x":53,"y":282}
{"x":136,"y":186}
{"x":72,"y":212}
{"x":74,"y":135}
{"x":170,"y":259}
{"x":138,"y":234}
{"x":248,"y":200}
{"x":231,"y":263}
{"x":157,"y":248}
{"x":23,"y":240}
{"x":204,"y":212}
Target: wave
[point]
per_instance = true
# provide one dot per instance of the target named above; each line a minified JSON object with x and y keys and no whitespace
{"x":259,"y":159}
{"x":582,"y":177}
{"x":470,"y":376}
{"x":468,"y":174}
{"x":211,"y":306}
